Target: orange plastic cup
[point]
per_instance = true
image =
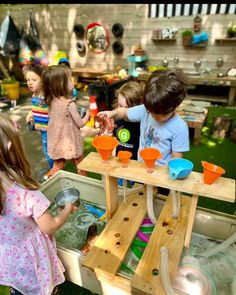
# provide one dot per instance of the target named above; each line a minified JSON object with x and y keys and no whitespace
{"x":150,"y":155}
{"x":124,"y":156}
{"x":104,"y":145}
{"x":211,"y":172}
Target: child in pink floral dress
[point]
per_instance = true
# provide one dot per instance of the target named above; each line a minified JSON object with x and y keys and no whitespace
{"x":28,"y":255}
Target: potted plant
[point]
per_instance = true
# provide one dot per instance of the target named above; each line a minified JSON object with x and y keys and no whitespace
{"x":231,"y":32}
{"x":187,"y":37}
{"x":11,"y":86}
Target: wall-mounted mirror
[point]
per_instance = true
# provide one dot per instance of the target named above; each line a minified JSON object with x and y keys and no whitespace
{"x":97,"y":37}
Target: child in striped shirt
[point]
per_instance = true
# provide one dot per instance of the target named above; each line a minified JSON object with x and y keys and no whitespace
{"x":38,"y":116}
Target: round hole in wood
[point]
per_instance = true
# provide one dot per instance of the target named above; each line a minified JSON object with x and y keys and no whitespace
{"x":134,"y":204}
{"x":118,"y":243}
{"x":107,"y":251}
{"x":155,"y":272}
{"x":164,"y":223}
{"x":117,"y":235}
{"x":126,"y":219}
{"x":170,"y":232}
{"x":140,"y":193}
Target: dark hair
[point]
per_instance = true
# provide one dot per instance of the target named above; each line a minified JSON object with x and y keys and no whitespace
{"x":33,"y":67}
{"x":165,"y":90}
{"x":55,"y":82}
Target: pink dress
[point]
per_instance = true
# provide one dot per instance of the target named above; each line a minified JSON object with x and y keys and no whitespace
{"x":28,"y":257}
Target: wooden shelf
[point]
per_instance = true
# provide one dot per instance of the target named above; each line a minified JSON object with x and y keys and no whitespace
{"x":201,"y":45}
{"x":164,"y":39}
{"x":225,"y":40}
{"x":219,"y":99}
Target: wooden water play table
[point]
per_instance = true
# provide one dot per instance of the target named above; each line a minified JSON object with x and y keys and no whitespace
{"x":111,"y":247}
{"x":195,"y":121}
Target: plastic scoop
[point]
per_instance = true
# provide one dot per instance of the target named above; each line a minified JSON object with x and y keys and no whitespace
{"x":150,"y":155}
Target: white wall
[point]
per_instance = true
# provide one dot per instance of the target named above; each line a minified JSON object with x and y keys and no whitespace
{"x":55,"y":23}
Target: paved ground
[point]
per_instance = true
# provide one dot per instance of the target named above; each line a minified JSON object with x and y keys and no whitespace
{"x":32,"y":140}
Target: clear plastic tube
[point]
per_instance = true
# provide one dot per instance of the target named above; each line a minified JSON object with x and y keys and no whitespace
{"x":164,"y":272}
{"x":175,"y":196}
{"x":150,"y":211}
{"x":221,"y":247}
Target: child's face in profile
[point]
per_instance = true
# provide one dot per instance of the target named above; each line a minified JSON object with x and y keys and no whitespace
{"x":162,"y":117}
{"x":34,"y":82}
{"x":121,"y":101}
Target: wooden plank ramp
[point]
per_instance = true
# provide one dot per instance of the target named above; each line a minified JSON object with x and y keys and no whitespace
{"x":170,"y":233}
{"x":222,"y":189}
{"x":111,"y":246}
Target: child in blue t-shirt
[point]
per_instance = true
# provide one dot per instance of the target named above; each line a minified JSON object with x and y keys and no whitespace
{"x":160,"y":126}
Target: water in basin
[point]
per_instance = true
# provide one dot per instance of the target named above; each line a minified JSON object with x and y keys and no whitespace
{"x":219,"y":270}
{"x":73,"y":234}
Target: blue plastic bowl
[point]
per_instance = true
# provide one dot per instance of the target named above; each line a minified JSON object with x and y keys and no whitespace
{"x":179,"y":168}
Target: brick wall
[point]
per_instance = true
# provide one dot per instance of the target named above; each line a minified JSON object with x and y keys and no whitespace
{"x":55,"y":23}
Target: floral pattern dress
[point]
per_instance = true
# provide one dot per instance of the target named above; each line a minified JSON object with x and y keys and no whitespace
{"x":28,"y":257}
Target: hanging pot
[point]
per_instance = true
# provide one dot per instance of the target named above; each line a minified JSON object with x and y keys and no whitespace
{"x":118,"y":47}
{"x":80,"y":46}
{"x":79,"y":31}
{"x":117,"y":30}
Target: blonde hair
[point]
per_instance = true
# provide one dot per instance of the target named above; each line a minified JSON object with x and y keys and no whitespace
{"x":56,"y":82}
{"x":13,"y":161}
{"x":132,"y":92}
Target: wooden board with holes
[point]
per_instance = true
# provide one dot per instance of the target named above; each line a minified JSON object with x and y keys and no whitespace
{"x":170,"y":233}
{"x":222,"y":189}
{"x":113,"y":243}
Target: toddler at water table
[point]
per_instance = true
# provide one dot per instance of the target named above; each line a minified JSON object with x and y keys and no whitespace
{"x":28,"y":256}
{"x":64,"y":136}
{"x":160,"y":126}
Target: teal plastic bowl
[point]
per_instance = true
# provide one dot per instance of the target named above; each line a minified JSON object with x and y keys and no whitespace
{"x":179,"y":168}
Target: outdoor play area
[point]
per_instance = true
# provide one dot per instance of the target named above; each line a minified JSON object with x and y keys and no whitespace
{"x":142,"y":227}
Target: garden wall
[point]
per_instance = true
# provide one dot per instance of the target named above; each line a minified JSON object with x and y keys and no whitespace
{"x":56,"y":21}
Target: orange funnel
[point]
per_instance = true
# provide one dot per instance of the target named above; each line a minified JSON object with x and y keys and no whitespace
{"x":150,"y":155}
{"x":124,"y":156}
{"x":105,"y":145}
{"x":211,"y":172}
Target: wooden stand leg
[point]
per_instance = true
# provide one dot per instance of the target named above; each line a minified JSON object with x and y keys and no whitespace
{"x":197,"y":136}
{"x":191,"y":220}
{"x":111,"y":189}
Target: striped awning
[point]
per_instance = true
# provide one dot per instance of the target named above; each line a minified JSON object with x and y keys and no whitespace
{"x":171,"y":10}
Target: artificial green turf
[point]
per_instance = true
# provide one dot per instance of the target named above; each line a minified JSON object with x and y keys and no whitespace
{"x":215,"y":150}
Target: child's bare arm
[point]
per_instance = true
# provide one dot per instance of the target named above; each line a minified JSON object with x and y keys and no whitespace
{"x":119,"y":113}
{"x":76,"y":116}
{"x":49,"y":224}
{"x":177,"y":155}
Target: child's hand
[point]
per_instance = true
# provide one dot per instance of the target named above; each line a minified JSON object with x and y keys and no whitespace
{"x":71,"y":208}
{"x":108,"y":114}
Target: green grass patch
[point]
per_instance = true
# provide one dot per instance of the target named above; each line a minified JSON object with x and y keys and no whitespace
{"x":217,"y":151}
